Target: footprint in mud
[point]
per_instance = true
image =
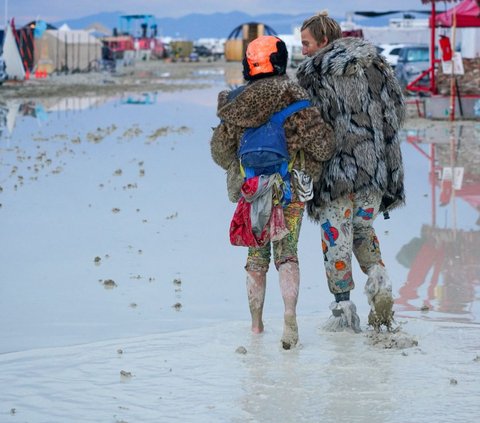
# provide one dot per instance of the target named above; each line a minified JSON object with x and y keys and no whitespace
{"x":109,"y":284}
{"x":391,"y":340}
{"x":125,"y":376}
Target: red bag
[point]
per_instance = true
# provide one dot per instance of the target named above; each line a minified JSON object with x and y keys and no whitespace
{"x":241,"y":233}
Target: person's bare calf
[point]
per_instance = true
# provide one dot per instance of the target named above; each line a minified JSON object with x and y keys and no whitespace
{"x":289,"y":275}
{"x":256,"y":285}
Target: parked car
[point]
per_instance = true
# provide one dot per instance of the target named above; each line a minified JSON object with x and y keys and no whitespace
{"x":3,"y":73}
{"x":412,"y":61}
{"x":390,"y":52}
{"x":202,"y":51}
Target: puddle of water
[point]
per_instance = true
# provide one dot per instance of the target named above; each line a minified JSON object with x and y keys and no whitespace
{"x":129,"y":179}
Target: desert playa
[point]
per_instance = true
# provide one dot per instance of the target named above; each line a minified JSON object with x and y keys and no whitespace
{"x":121,"y":299}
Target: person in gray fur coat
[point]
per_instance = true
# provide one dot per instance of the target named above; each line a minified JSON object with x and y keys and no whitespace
{"x":359,"y":96}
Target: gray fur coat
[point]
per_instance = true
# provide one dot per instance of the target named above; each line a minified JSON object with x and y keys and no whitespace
{"x":358,"y":94}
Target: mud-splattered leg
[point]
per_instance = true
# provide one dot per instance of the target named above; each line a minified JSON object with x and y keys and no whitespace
{"x":289,"y":275}
{"x":367,"y":251}
{"x":337,"y":241}
{"x":256,"y":285}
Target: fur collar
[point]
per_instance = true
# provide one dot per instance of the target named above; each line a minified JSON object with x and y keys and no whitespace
{"x":258,"y":101}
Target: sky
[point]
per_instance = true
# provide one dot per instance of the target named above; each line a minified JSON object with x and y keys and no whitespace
{"x":55,"y":10}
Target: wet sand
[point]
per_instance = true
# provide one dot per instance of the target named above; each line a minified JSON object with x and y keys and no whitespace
{"x":140,"y":77}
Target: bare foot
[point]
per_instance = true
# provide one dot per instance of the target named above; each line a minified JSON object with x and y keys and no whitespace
{"x":290,"y":332}
{"x":257,"y":320}
{"x":257,"y":328}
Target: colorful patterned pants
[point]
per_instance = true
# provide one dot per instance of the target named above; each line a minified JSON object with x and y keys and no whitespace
{"x":284,"y":250}
{"x":347,"y":228}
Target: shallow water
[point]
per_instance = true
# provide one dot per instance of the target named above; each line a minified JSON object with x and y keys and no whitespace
{"x":124,"y":189}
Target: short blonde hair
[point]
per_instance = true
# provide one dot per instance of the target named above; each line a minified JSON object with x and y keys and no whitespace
{"x":321,"y":26}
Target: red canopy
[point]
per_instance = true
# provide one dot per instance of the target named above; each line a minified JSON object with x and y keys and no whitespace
{"x":467,"y":15}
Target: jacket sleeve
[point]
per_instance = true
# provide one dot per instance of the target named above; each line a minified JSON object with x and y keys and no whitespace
{"x":394,"y":117}
{"x":223,"y":145}
{"x":307,"y":131}
{"x":224,"y":141}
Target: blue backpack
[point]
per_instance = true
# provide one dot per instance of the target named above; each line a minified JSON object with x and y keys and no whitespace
{"x":263,"y":150}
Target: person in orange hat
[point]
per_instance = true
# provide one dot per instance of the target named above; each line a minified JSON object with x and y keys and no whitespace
{"x":269,"y":90}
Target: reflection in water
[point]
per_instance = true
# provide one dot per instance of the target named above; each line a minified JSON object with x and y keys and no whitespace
{"x":274,"y":389}
{"x":8,"y":116}
{"x":446,"y":259}
{"x":41,"y":110}
{"x":3,"y":120}
{"x":140,"y":99}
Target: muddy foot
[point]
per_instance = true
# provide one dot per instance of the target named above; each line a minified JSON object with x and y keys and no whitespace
{"x":344,"y":318}
{"x":290,"y":332}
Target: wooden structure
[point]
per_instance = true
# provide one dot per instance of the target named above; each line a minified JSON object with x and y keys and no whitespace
{"x":66,"y":50}
{"x":237,"y":41}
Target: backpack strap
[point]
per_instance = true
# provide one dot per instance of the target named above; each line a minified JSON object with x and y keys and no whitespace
{"x":302,"y":160}
{"x":283,"y":114}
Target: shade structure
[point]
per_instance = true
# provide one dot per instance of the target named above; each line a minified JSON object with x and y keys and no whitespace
{"x":467,"y":15}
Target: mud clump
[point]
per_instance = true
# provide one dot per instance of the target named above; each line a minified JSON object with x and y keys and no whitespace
{"x":391,"y":340}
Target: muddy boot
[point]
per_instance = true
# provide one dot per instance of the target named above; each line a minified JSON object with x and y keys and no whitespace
{"x":379,"y":294}
{"x":344,"y":315}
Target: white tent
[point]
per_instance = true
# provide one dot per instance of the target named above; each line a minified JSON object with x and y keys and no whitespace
{"x":11,"y":55}
{"x":66,"y":49}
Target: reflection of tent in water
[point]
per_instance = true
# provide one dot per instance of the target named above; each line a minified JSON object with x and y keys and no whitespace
{"x":67,"y":104}
{"x":449,"y":257}
{"x":8,"y":115}
{"x":141,"y":99}
{"x":459,"y":164}
{"x":11,"y":109}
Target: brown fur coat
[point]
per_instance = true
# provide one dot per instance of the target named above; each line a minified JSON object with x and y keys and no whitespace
{"x":305,"y":130}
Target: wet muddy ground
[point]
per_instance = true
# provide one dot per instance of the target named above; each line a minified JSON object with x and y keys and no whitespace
{"x":121,"y":298}
{"x":142,"y":77}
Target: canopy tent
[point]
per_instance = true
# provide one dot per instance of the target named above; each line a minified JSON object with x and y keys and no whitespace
{"x":467,"y":15}
{"x":433,"y":18}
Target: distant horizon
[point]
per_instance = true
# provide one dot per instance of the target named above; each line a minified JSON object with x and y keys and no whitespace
{"x":94,"y":18}
{"x":58,"y":10}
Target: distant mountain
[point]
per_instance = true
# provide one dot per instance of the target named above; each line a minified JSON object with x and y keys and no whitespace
{"x":194,"y":26}
{"x":216,"y":25}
